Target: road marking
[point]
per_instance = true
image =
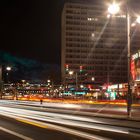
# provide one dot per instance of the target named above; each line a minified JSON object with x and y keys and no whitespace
{"x":15,"y":134}
{"x":63,"y":129}
{"x":32,"y":123}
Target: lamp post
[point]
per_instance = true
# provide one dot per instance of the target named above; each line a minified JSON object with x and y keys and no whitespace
{"x":8,"y":70}
{"x":114,"y":9}
{"x":129,"y":94}
{"x":1,"y":78}
{"x":76,"y":78}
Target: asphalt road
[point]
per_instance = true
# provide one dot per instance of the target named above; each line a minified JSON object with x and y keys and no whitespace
{"x":11,"y":129}
{"x":39,"y":123}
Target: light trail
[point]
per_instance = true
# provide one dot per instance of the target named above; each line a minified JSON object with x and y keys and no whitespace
{"x":61,"y":119}
{"x":21,"y":118}
{"x":65,"y":106}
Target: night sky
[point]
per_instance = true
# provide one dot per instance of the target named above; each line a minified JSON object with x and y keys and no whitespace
{"x":30,"y":39}
{"x":31,"y":29}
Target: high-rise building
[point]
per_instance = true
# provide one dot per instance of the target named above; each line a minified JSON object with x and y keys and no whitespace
{"x":94,"y":41}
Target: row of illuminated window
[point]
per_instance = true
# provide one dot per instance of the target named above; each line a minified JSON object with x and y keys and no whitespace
{"x":93,"y":37}
{"x":94,"y":28}
{"x":106,"y":68}
{"x":96,"y":24}
{"x":107,"y":33}
{"x":79,"y":45}
{"x":79,"y":28}
{"x":108,"y":39}
{"x":94,"y":52}
{"x":83,"y":18}
{"x":101,"y":23}
{"x":101,"y":41}
{"x":94,"y":19}
{"x":97,"y":57}
{"x":85,"y":7}
{"x":91,"y":47}
{"x":84,"y":12}
{"x":102,"y":73}
{"x":91,"y":63}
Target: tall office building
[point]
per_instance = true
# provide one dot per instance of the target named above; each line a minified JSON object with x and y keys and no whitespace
{"x":95,"y":42}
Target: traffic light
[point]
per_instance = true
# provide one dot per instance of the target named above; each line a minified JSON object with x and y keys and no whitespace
{"x":67,"y":67}
{"x":81,"y":68}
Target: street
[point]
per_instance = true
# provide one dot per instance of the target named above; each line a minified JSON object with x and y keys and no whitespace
{"x":32,"y":122}
{"x":19,"y":130}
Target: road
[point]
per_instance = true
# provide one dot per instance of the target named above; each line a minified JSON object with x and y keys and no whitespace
{"x":39,"y":123}
{"x":98,"y":109}
{"x":11,"y":129}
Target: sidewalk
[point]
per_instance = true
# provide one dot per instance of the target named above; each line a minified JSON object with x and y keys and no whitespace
{"x":94,"y":108}
{"x":77,"y":101}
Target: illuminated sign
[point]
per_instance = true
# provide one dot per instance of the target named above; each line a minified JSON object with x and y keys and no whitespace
{"x":80,"y":93}
{"x":133,"y":69}
{"x":67,"y":93}
{"x":136,"y":55}
{"x":135,"y":66}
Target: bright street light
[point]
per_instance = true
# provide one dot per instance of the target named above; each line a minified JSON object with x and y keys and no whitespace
{"x":23,"y":81}
{"x":76,"y":78}
{"x":71,"y":72}
{"x":113,"y":9}
{"x":93,"y":79}
{"x":8,"y":68}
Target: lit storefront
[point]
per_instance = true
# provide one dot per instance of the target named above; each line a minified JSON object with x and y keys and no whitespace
{"x":135,"y":72}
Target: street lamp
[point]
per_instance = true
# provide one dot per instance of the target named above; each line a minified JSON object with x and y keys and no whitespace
{"x":1,"y":82}
{"x":114,"y":9}
{"x":76,"y":78}
{"x":8,"y":70}
{"x":71,"y":72}
{"x":93,"y":79}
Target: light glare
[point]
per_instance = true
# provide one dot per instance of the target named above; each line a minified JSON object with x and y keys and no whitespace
{"x":113,"y":9}
{"x":8,"y":68}
{"x":70,"y":72}
{"x":138,"y":20}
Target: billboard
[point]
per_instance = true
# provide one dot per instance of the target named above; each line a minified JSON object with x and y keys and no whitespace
{"x":135,"y":66}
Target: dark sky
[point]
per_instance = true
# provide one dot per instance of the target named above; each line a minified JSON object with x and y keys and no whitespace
{"x":31,"y":29}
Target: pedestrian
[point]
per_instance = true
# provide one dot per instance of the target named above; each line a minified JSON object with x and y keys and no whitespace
{"x":41,"y":101}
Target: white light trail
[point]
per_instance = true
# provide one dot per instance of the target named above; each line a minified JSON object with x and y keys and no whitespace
{"x":59,"y":119}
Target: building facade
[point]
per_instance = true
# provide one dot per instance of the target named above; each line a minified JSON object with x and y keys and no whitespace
{"x":95,"y":42}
